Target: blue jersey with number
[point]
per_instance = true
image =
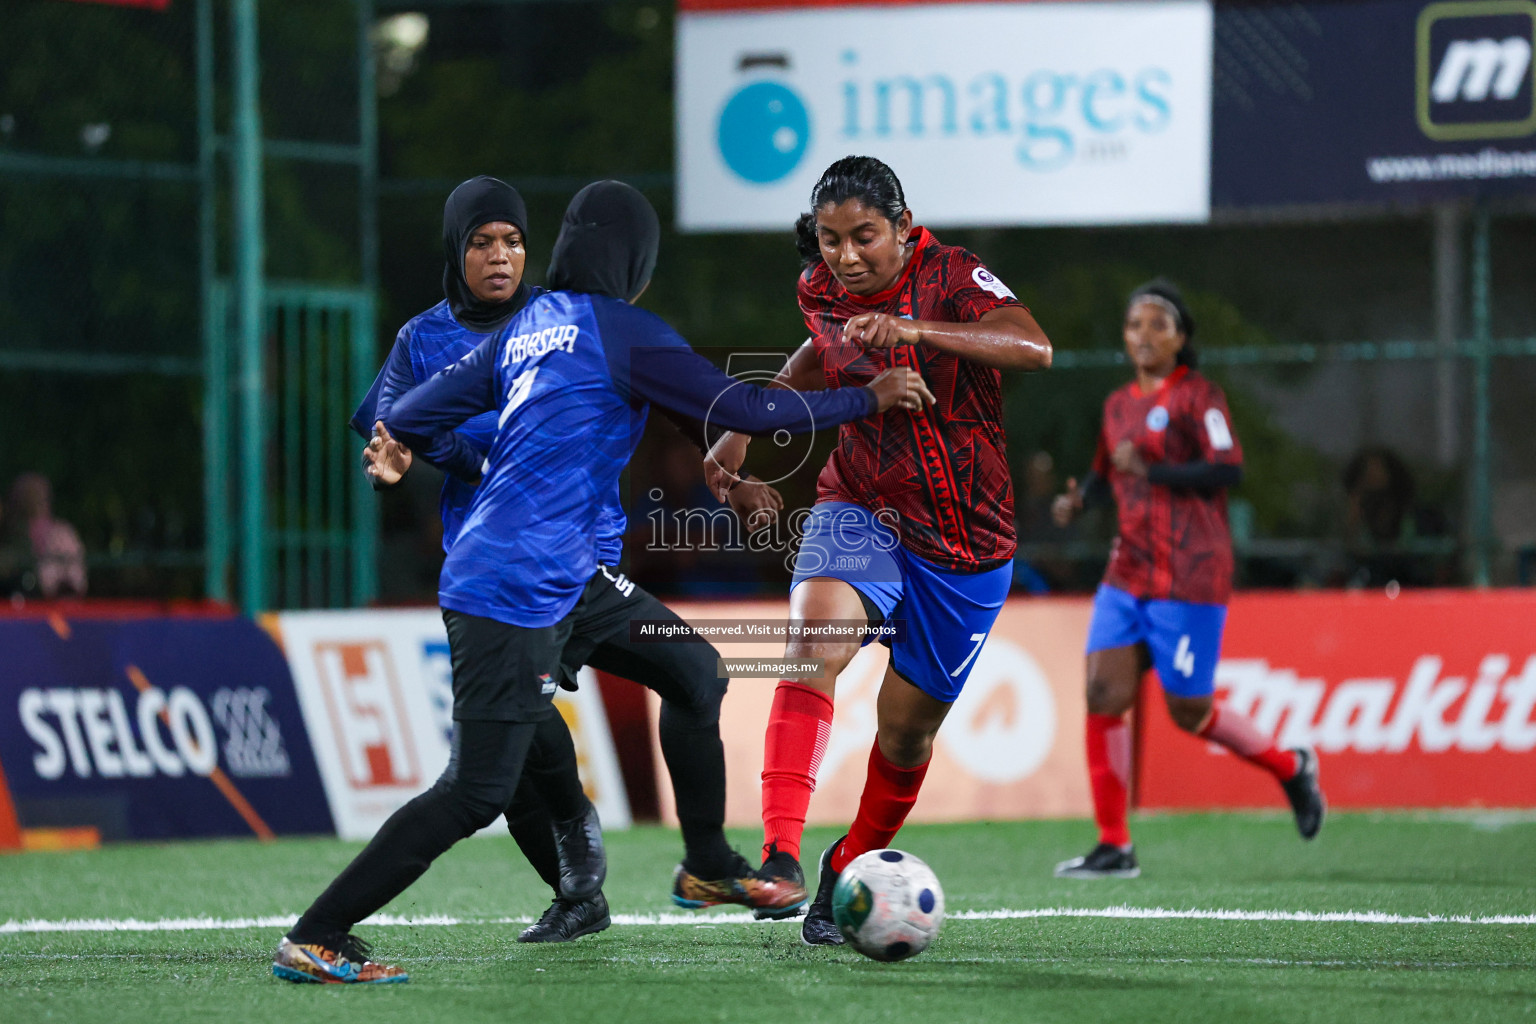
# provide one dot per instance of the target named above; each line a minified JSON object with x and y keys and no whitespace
{"x":571,"y":378}
{"x":431,"y":342}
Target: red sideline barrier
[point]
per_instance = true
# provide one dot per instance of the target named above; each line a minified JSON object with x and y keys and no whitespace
{"x":630,"y":722}
{"x":115,"y":608}
{"x":1422,"y":701}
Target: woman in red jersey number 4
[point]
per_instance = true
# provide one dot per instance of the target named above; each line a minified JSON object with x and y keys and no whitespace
{"x":1168,"y":454}
{"x":913,"y":524}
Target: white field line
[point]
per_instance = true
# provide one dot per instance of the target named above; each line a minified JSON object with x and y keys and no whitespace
{"x":1087,"y":960}
{"x":193,"y":924}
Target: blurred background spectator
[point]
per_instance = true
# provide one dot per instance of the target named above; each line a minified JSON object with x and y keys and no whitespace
{"x":1039,"y":569}
{"x":1383,"y":520}
{"x":40,"y":556}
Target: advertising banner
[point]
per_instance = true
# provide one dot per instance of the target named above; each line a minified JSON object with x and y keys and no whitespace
{"x":1422,"y":701}
{"x":1012,"y":746}
{"x":154,"y":728}
{"x":153,"y":5}
{"x":990,"y":113}
{"x":376,"y":688}
{"x":1378,"y":101}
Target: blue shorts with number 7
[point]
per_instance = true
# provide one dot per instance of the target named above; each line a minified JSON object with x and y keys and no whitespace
{"x":943,"y":617}
{"x":1184,"y":638}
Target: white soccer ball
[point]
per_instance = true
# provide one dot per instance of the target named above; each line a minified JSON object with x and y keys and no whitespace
{"x":888,"y":905}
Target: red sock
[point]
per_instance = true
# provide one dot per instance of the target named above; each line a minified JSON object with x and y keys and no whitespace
{"x":1109,"y":772}
{"x":1239,"y":735}
{"x":798,"y":727}
{"x":889,"y":793}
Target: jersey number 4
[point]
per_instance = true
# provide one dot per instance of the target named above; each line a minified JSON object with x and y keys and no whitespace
{"x":1184,"y":658}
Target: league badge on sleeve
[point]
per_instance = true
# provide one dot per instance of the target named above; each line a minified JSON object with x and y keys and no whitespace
{"x":1216,"y":428}
{"x":987,"y":281}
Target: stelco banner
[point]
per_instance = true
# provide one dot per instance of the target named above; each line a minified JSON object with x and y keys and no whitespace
{"x":376,"y":688}
{"x":1428,"y":700}
{"x":990,"y":113}
{"x":154,"y":728}
{"x":1378,"y":101}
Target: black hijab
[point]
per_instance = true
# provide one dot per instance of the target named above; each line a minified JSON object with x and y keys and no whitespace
{"x":478,"y":201}
{"x":607,"y":244}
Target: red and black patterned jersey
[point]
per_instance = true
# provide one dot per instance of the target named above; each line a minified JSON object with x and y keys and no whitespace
{"x":1174,"y":543}
{"x":943,"y":471}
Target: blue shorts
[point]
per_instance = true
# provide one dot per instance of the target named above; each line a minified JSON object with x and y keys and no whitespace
{"x":942,"y":617}
{"x":1184,"y":638}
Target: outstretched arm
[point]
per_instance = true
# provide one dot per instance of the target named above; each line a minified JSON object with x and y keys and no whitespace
{"x":722,"y":463}
{"x":1005,"y":338}
{"x":757,"y":503}
{"x":683,"y":380}
{"x":426,"y":412}
{"x":449,"y":451}
{"x":652,"y":363}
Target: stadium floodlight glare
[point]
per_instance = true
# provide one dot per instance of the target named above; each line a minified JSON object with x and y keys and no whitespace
{"x":406,"y":31}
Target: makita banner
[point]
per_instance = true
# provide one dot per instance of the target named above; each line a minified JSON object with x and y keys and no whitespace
{"x":1428,"y":700}
{"x":990,"y":113}
{"x":377,"y":692}
{"x":1378,"y":101}
{"x":154,"y":728}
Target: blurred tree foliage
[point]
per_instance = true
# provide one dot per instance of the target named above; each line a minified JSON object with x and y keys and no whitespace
{"x":97,"y":267}
{"x":547,"y":96}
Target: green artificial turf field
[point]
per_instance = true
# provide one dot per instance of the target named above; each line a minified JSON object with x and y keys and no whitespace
{"x":720,"y":967}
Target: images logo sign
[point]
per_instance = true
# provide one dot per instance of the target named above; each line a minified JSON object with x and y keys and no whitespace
{"x":1005,"y":113}
{"x":764,"y":131}
{"x":1476,"y":78}
{"x":1058,"y":117}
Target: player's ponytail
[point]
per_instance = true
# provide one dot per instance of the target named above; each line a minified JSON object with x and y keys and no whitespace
{"x":863,"y":178}
{"x":1163,"y":292}
{"x":806,"y":242}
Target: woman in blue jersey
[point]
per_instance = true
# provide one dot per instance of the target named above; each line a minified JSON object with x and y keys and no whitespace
{"x":485,"y":230}
{"x":570,"y":379}
{"x":484,"y":221}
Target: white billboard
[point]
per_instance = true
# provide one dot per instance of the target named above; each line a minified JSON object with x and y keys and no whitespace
{"x":991,"y":114}
{"x":376,"y":689}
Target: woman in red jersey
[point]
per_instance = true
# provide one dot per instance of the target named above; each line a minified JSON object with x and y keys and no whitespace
{"x":1168,"y":454}
{"x":913,"y":524}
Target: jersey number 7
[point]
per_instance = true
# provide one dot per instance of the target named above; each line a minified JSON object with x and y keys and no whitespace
{"x":980,"y":639}
{"x":517,"y":394}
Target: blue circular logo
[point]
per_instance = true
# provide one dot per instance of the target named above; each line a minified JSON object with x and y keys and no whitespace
{"x":764,"y":131}
{"x":1157,"y":418}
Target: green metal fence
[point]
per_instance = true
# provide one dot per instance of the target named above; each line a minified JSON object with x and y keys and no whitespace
{"x":282,"y":365}
{"x":287,"y":521}
{"x":318,"y":527}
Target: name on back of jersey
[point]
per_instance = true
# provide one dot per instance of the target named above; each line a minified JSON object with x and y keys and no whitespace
{"x":561,"y":337}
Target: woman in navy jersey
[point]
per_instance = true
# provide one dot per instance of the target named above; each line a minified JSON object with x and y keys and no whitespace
{"x":484,"y":248}
{"x":1167,"y":455}
{"x":913,"y":524}
{"x":485,"y":233}
{"x":570,"y":380}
